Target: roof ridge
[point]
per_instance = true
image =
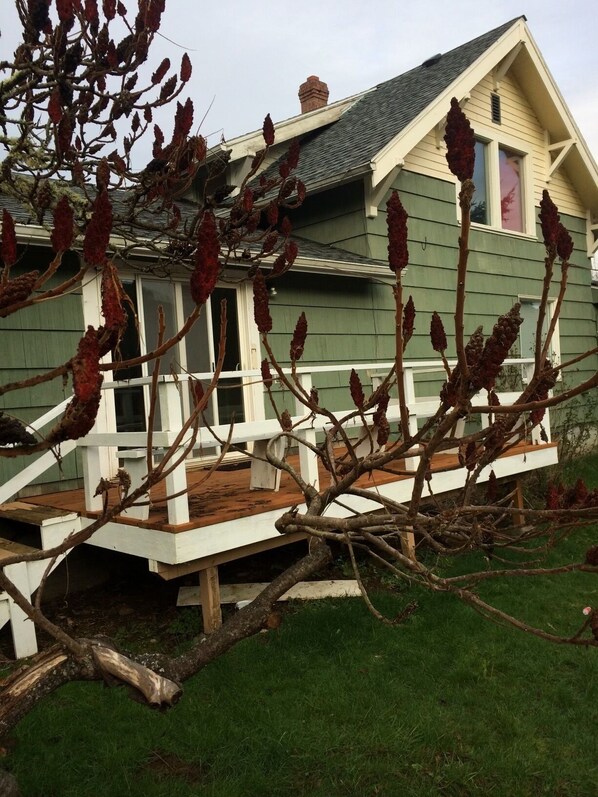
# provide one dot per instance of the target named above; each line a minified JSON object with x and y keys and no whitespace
{"x":489,"y":34}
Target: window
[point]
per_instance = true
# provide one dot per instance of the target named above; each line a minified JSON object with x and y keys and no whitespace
{"x":479,"y":206}
{"x":196,"y":353}
{"x":500,"y":196}
{"x":511,"y":208}
{"x":530,"y":307}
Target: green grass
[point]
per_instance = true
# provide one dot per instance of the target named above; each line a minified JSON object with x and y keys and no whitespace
{"x":335,"y":704}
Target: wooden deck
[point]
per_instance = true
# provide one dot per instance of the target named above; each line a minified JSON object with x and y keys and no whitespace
{"x":229,"y":521}
{"x":225,"y":496}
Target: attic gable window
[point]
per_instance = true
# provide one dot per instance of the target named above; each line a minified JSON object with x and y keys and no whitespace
{"x":499,"y":177}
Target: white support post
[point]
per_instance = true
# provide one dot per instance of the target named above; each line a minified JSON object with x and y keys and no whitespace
{"x":176,"y":482}
{"x":92,"y":473}
{"x":136,"y":465}
{"x":528,"y":372}
{"x":23,"y":629}
{"x":308,"y":461}
{"x":411,"y":463}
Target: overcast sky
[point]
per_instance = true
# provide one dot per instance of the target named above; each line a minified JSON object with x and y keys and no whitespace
{"x":249,"y":58}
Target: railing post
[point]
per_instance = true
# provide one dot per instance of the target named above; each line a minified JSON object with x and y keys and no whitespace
{"x":91,"y":460}
{"x":23,"y":629}
{"x":537,"y":431}
{"x":308,"y":461}
{"x":528,"y":372}
{"x":411,"y":463}
{"x":171,"y":416}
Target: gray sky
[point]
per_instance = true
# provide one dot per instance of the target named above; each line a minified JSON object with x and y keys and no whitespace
{"x":249,"y":58}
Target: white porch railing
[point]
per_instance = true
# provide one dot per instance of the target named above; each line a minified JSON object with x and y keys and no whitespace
{"x":257,"y":432}
{"x":42,"y":463}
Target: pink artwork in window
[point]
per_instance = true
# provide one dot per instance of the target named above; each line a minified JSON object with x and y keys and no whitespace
{"x":511,"y":207}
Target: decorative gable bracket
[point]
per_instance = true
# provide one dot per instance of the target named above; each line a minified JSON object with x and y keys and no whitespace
{"x":374,"y":194}
{"x":592,"y":235}
{"x":503,"y":67}
{"x":565,"y":148}
{"x":440,"y":128}
{"x":238,"y":171}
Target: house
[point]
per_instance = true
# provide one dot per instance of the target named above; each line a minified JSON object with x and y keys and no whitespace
{"x":353,"y":153}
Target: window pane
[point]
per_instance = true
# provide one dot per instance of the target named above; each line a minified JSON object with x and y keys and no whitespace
{"x":156,"y":294}
{"x":511,"y":208}
{"x":479,"y":205}
{"x":129,"y":401}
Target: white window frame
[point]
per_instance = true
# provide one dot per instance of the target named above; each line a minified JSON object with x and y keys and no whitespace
{"x":555,"y":343}
{"x":493,"y":143}
{"x":249,"y":341}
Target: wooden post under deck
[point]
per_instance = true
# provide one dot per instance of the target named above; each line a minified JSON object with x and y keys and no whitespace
{"x":408,"y":544}
{"x":518,"y":519}
{"x":209,"y":590}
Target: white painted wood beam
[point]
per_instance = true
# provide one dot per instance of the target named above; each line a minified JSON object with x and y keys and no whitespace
{"x":556,"y":163}
{"x":556,"y":145}
{"x":591,"y":234}
{"x":238,"y":171}
{"x":441,"y":126}
{"x":503,"y":67}
{"x":374,"y":194}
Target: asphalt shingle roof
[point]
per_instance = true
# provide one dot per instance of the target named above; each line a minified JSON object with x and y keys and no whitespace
{"x":310,"y":250}
{"x":378,"y":115}
{"x":317,"y":251}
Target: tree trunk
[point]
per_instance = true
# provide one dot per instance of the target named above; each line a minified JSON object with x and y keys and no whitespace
{"x":154,"y":678}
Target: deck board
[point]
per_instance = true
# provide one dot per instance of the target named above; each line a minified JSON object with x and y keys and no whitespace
{"x":225,"y":495}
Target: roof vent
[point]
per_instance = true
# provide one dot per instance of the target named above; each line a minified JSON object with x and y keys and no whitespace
{"x":433,"y":60}
{"x":495,"y":108}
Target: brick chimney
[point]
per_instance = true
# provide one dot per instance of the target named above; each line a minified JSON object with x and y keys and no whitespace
{"x":313,"y":94}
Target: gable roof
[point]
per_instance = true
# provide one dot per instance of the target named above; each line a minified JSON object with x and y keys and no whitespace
{"x":377,"y":116}
{"x":372,"y":132}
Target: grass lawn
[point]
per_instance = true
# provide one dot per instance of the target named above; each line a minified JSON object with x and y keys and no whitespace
{"x":335,"y":704}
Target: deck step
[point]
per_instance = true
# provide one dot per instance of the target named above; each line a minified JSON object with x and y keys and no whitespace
{"x":9,"y":548}
{"x":34,"y":514}
{"x":54,"y":526}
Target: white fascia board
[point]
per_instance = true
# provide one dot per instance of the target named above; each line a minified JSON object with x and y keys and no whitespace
{"x":346,"y":268}
{"x":34,"y":234}
{"x":342,"y":268}
{"x":401,"y":145}
{"x":296,"y":126}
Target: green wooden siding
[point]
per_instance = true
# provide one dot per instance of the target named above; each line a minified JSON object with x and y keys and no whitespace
{"x":34,"y":341}
{"x":352,"y":320}
{"x":335,"y":217}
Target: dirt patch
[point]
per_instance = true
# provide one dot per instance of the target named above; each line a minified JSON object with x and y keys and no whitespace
{"x":163,"y":765}
{"x":134,"y":607}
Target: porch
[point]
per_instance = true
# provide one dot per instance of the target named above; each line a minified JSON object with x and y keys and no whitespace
{"x":191,"y":523}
